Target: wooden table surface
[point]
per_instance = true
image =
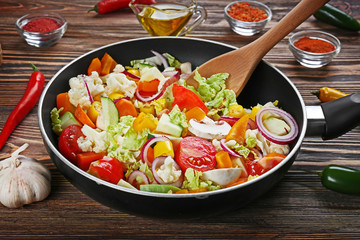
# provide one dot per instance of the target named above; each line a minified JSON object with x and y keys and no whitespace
{"x":299,"y":207}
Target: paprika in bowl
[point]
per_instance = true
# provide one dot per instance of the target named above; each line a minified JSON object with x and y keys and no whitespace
{"x":247,"y":18}
{"x":41,"y":29}
{"x":314,"y":49}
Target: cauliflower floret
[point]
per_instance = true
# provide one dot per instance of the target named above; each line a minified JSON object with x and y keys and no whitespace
{"x":118,"y":82}
{"x":93,"y":141}
{"x":265,"y":145}
{"x":118,"y":68}
{"x":78,"y":93}
{"x":167,"y":172}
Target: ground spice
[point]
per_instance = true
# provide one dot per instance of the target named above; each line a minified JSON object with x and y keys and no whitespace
{"x":244,"y":12}
{"x":41,"y":25}
{"x":314,"y":45}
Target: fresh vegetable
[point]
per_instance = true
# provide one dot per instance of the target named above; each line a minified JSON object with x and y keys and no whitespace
{"x":108,"y":169}
{"x":107,"y":64}
{"x":237,"y":131}
{"x":94,"y":111}
{"x":195,"y":113}
{"x":95,"y":65}
{"x":288,"y":130}
{"x":81,"y":115}
{"x":138,"y":178}
{"x":158,"y":188}
{"x":223,"y":160}
{"x":334,"y":16}
{"x":271,"y":160}
{"x":107,"y":6}
{"x":25,"y":105}
{"x":196,"y":153}
{"x":23,"y":180}
{"x":85,"y":159}
{"x":110,"y":114}
{"x":223,"y":176}
{"x":209,"y":130}
{"x":147,"y":146}
{"x":186,"y":99}
{"x":144,"y":121}
{"x":327,"y":94}
{"x":341,"y":179}
{"x":166,"y":171}
{"x":125,"y":108}
{"x":68,"y":145}
{"x":167,"y":127}
{"x":63,"y":101}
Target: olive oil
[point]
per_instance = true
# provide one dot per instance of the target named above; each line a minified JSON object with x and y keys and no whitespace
{"x":165,"y":19}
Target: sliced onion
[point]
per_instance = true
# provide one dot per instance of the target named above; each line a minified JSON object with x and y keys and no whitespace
{"x":129,"y":74}
{"x":229,"y":120}
{"x":285,"y":139}
{"x":87,"y":88}
{"x":174,"y":78}
{"x":251,"y":124}
{"x":118,"y":99}
{"x":158,"y":162}
{"x":227,"y":149}
{"x":162,"y":58}
{"x":134,"y":174}
{"x":148,"y":144}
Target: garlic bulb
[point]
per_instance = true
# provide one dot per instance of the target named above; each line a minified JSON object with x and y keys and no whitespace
{"x":23,"y":180}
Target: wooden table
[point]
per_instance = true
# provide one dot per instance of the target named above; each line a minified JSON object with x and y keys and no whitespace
{"x":297,"y":208}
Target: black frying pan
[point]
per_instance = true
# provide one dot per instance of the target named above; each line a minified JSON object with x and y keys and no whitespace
{"x":266,"y":84}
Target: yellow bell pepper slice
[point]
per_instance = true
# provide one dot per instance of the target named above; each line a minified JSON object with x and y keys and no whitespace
{"x":163,"y":148}
{"x":143,"y":121}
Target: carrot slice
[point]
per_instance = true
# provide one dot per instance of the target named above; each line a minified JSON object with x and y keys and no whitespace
{"x":63,"y":101}
{"x":95,"y":65}
{"x":81,"y":115}
{"x":126,"y":107}
{"x":148,"y":86}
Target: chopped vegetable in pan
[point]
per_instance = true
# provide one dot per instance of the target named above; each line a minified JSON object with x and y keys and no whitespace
{"x":142,"y":127}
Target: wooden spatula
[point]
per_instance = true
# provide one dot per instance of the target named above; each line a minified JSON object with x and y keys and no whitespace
{"x":241,"y":63}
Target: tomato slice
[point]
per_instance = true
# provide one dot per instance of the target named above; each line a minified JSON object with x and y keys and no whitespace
{"x":68,"y":142}
{"x":271,"y":160}
{"x":108,"y":169}
{"x":196,"y":153}
{"x":185,"y":98}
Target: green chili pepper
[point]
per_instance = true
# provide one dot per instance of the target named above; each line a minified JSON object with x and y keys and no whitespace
{"x":341,"y":179}
{"x":336,"y":17}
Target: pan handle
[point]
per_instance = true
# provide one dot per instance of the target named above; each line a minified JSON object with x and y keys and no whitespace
{"x":333,"y":119}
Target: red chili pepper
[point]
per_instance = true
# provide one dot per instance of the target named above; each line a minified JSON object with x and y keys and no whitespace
{"x":107,"y":6}
{"x":27,"y":102}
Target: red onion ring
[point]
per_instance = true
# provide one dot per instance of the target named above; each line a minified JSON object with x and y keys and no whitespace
{"x":162,"y":58}
{"x":118,"y":99}
{"x":227,"y":149}
{"x":129,"y":74}
{"x":148,"y":144}
{"x":87,"y":89}
{"x":229,"y":120}
{"x":285,"y":139}
{"x":158,"y":162}
{"x":137,"y":173}
{"x":174,"y":78}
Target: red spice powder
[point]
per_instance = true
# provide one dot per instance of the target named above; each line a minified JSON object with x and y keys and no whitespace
{"x":41,"y":25}
{"x":314,"y":45}
{"x":244,"y":12}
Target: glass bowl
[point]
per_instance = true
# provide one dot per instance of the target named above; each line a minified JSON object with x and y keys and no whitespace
{"x":310,"y":59}
{"x":248,"y":28}
{"x":41,"y":39}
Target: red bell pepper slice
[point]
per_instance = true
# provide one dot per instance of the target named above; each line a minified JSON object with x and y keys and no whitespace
{"x":187,"y":99}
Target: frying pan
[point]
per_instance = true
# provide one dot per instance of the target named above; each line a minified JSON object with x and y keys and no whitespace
{"x":266,"y":84}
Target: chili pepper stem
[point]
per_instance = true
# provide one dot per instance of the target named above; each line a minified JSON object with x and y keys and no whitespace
{"x":34,"y":67}
{"x":95,"y":8}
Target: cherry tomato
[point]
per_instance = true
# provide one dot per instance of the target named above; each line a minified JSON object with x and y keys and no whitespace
{"x":68,"y":142}
{"x":108,"y":169}
{"x":195,"y":153}
{"x":185,"y":98}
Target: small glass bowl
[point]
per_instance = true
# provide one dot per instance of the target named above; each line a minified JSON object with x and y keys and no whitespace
{"x":41,"y":39}
{"x":248,"y":28}
{"x":310,"y":59}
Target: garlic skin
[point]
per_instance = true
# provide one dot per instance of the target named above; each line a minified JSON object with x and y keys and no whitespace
{"x":23,"y":180}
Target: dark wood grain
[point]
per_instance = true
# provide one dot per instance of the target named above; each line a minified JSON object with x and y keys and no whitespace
{"x":297,"y":208}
